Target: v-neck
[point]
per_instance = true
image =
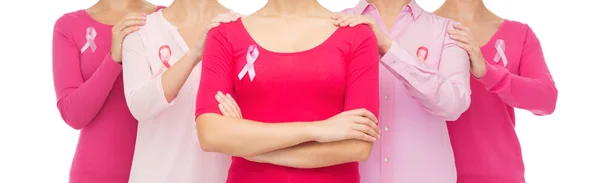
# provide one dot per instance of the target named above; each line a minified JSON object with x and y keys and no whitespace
{"x":495,"y":35}
{"x":174,"y":32}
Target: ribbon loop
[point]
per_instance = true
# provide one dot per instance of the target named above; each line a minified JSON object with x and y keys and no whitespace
{"x":90,"y":35}
{"x":251,"y":57}
{"x":500,"y":54}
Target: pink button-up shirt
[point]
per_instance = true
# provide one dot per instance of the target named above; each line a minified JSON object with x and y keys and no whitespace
{"x":424,"y":81}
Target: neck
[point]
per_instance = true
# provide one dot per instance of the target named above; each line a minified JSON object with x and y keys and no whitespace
{"x":119,"y":5}
{"x":465,"y":11}
{"x":389,"y":7}
{"x":195,"y":9}
{"x":291,"y":7}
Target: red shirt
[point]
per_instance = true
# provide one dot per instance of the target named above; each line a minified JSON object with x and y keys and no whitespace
{"x":339,"y":74}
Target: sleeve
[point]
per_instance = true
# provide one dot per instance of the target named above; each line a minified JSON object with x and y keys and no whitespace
{"x":79,"y":100}
{"x":533,"y":88}
{"x":217,"y":71}
{"x":444,"y":91}
{"x":362,"y":81}
{"x":143,"y":92}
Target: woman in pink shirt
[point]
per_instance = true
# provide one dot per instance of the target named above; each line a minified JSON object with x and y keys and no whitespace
{"x":86,"y":63}
{"x":508,"y":71}
{"x":161,"y":72}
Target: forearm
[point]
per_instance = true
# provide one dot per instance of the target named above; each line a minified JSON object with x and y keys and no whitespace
{"x":79,"y":105}
{"x":245,"y":138}
{"x":174,"y":78}
{"x":538,"y":95}
{"x":316,"y":155}
{"x":443,"y":91}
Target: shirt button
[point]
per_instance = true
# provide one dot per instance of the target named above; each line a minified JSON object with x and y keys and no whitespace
{"x":414,"y":83}
{"x":386,"y":97}
{"x":386,"y":129}
{"x":385,"y":160}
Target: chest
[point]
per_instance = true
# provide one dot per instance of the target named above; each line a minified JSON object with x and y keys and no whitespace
{"x":93,"y":43}
{"x":316,"y":73}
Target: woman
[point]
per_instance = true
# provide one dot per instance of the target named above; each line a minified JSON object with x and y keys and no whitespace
{"x":508,"y":71}
{"x":161,"y":75}
{"x":424,"y":81}
{"x":293,"y":74}
{"x":88,"y":83}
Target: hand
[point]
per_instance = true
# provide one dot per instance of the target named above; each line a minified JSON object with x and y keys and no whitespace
{"x":228,"y":106}
{"x":358,"y":124}
{"x":131,"y":23}
{"x":463,"y":37}
{"x":215,"y":22}
{"x":348,"y":20}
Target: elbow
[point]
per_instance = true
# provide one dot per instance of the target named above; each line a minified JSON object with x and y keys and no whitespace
{"x":73,"y":122}
{"x":208,"y":138}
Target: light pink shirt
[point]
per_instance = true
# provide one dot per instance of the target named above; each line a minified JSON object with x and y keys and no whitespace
{"x":424,"y":81}
{"x":167,"y":147}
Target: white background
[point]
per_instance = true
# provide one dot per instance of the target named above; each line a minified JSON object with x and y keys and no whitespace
{"x":37,"y":146}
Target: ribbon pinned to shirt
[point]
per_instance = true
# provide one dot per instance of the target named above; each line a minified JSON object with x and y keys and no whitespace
{"x":251,"y":57}
{"x":90,"y":35}
{"x":500,"y":48}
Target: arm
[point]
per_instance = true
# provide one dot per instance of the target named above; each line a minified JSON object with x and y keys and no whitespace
{"x":147,"y":95}
{"x":79,"y":100}
{"x":533,"y":88}
{"x":231,"y":136}
{"x":362,"y":92}
{"x":443,"y":91}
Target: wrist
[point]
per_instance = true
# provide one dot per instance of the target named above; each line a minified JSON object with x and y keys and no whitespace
{"x":384,"y":45}
{"x":480,"y":69}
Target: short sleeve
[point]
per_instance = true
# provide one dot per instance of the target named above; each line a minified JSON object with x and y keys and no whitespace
{"x":362,"y":81}
{"x":217,"y":69}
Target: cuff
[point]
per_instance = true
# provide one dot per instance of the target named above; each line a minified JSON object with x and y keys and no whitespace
{"x":161,"y":93}
{"x":391,"y":56}
{"x":111,"y":65}
{"x":492,"y":75}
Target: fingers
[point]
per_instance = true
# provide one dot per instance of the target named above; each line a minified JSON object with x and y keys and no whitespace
{"x":352,"y":20}
{"x":130,"y":20}
{"x":460,"y":38}
{"x":362,"y":125}
{"x":237,"y":107}
{"x":227,"y":104}
{"x":360,"y":136}
{"x":226,"y":17}
{"x":362,"y":112}
{"x":461,"y":27}
{"x":343,"y":18}
{"x":224,"y":111}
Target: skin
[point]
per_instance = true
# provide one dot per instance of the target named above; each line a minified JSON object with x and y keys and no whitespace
{"x":478,"y":25}
{"x":346,"y":137}
{"x":126,"y":15}
{"x":189,"y":16}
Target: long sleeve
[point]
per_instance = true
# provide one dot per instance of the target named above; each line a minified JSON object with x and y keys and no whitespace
{"x":79,"y":100}
{"x":443,"y":91}
{"x":532,"y":88}
{"x":143,"y":91}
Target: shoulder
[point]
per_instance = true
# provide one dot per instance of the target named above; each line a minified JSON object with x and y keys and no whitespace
{"x":359,"y":32}
{"x":228,"y":31}
{"x":68,"y":20}
{"x":434,"y":22}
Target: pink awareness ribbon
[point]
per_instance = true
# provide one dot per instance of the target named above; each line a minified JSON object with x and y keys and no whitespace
{"x":90,"y":35}
{"x":500,"y":48}
{"x":251,"y":57}
{"x":164,"y":59}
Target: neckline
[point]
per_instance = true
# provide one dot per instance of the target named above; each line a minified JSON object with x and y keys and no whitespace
{"x":489,"y":42}
{"x":173,"y":31}
{"x":323,"y":43}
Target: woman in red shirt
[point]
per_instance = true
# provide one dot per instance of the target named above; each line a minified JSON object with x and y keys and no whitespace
{"x":308,"y":90}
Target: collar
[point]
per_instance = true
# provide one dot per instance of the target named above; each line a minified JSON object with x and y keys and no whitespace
{"x":412,"y":6}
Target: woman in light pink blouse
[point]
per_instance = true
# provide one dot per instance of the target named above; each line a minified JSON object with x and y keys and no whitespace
{"x":86,"y":63}
{"x":161,"y":72}
{"x":508,"y":71}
